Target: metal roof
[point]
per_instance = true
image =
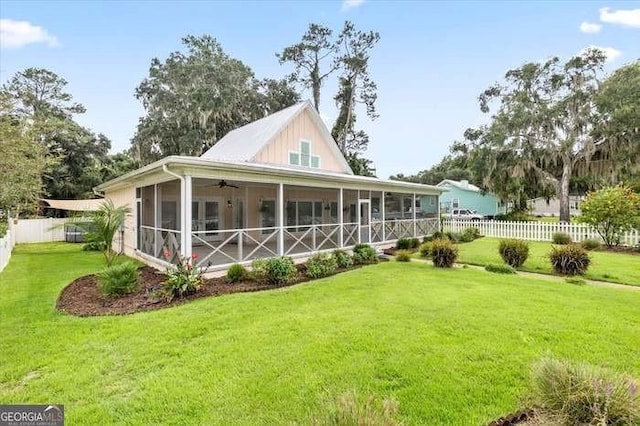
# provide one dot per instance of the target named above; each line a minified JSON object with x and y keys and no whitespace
{"x":244,"y":143}
{"x":468,"y":187}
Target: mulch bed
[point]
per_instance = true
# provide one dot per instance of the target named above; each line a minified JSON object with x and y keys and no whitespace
{"x":620,"y":249}
{"x":83,"y":298}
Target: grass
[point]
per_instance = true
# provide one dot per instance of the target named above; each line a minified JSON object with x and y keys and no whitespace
{"x":613,"y":267}
{"x":452,"y":346}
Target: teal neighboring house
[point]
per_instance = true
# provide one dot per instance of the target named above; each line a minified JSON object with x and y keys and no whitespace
{"x":463,"y":195}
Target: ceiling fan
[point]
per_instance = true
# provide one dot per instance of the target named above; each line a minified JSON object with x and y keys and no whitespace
{"x":224,"y":183}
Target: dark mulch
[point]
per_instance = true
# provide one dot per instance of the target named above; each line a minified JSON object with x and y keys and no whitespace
{"x":514,"y":418}
{"x":83,"y":298}
{"x":620,"y":249}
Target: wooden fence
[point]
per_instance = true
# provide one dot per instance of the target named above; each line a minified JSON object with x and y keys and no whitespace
{"x":534,"y":231}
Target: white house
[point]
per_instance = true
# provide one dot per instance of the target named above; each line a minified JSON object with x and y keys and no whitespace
{"x":551,"y":207}
{"x":277,"y":186}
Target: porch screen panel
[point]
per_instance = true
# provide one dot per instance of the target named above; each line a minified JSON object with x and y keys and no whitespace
{"x":146,"y":231}
{"x":169,"y":221}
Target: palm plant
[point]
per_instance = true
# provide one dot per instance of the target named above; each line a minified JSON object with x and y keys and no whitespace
{"x":105,"y":222}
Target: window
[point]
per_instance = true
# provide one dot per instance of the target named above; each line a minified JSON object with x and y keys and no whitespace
{"x":455,"y":203}
{"x":294,"y":158}
{"x":301,"y":213}
{"x":304,"y":157}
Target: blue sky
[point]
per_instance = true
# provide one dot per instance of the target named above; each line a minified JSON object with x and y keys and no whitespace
{"x":433,"y":60}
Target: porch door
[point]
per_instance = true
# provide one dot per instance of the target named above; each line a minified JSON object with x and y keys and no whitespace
{"x":206,"y":217}
{"x":365,"y":221}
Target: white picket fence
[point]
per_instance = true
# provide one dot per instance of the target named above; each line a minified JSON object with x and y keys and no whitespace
{"x":534,"y":231}
{"x":6,"y":247}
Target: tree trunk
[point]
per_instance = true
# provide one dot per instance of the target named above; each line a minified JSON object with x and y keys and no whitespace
{"x":563,"y":196}
{"x":316,"y":83}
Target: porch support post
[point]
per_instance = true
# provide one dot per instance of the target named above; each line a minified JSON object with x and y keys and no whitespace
{"x":280,"y":219}
{"x":413,"y":209}
{"x":156,"y":215}
{"x":340,"y":218}
{"x":439,"y":223}
{"x":186,"y":218}
{"x":382,"y":215}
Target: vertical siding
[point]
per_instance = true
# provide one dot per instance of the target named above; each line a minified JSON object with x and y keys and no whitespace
{"x":125,"y":197}
{"x":486,"y":204}
{"x":302,"y":127}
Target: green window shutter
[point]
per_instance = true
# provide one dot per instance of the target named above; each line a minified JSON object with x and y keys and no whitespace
{"x":294,"y":158}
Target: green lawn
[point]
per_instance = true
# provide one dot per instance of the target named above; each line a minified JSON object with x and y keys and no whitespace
{"x":451,"y":346}
{"x":613,"y":267}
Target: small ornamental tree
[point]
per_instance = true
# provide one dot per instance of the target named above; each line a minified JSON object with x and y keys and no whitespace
{"x":611,"y":212}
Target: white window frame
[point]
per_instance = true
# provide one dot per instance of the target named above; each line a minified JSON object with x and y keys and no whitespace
{"x":455,"y":203}
{"x":300,"y":154}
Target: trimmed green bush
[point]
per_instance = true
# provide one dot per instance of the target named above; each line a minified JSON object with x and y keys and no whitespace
{"x":321,"y":265}
{"x":259,"y":270}
{"x":444,"y":253}
{"x":343,"y":259}
{"x":280,"y":270}
{"x":438,"y":235}
{"x":118,"y":280}
{"x":403,"y":256}
{"x":403,"y":244}
{"x":237,"y":273}
{"x":500,"y":269}
{"x":514,"y":252}
{"x":415,"y":243}
{"x":425,"y":249}
{"x":580,"y":394}
{"x":454,"y":237}
{"x":571,"y":259}
{"x":591,"y":244}
{"x":469,"y":234}
{"x":364,"y":254}
{"x":561,"y":238}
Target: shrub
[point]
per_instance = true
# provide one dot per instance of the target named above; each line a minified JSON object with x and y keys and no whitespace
{"x":280,"y":270}
{"x":514,"y":252}
{"x":425,"y":249}
{"x":321,"y":265}
{"x":561,"y":238}
{"x":118,"y":280}
{"x":236,"y":273}
{"x":350,"y":410}
{"x":590,"y":244}
{"x":611,"y":212}
{"x":454,"y":237}
{"x":403,"y":244}
{"x":580,"y":394}
{"x":93,"y":245}
{"x":182,"y":279}
{"x":343,"y":260}
{"x":500,"y":269}
{"x":364,"y":254}
{"x":571,"y":259}
{"x":469,"y":234}
{"x":415,"y":243}
{"x":438,"y":235}
{"x":259,"y":270}
{"x":443,"y":253}
{"x":4,"y":227}
{"x":403,"y":256}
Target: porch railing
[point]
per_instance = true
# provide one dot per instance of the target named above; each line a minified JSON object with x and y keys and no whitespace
{"x":160,"y":243}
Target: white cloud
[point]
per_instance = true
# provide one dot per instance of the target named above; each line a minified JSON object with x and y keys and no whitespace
{"x":589,"y":28}
{"x":17,"y":34}
{"x":610,"y":52}
{"x":351,"y":4}
{"x":628,"y":18}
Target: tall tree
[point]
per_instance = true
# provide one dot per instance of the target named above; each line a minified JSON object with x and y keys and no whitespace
{"x":543,"y":128}
{"x":316,"y":49}
{"x":194,"y":98}
{"x":40,"y":93}
{"x":21,"y":164}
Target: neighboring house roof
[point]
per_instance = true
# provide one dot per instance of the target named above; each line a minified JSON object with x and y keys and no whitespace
{"x":75,"y":205}
{"x":464,"y":185}
{"x":245,"y":143}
